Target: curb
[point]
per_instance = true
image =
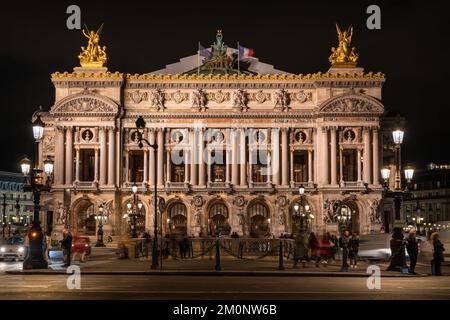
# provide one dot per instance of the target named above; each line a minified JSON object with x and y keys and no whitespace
{"x":218,"y":273}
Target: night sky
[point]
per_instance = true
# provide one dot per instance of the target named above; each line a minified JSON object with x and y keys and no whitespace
{"x":411,"y":49}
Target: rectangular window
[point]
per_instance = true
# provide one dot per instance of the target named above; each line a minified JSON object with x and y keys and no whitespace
{"x":301,"y":166}
{"x":349,"y":165}
{"x":87,"y":164}
{"x":259,"y":166}
{"x":136,"y":166}
{"x":177,"y":172}
{"x":218,"y":167}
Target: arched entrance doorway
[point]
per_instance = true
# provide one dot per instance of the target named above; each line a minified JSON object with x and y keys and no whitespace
{"x":218,"y":219}
{"x":85,"y":218}
{"x":348,"y":216}
{"x":258,"y":214}
{"x":177,"y":221}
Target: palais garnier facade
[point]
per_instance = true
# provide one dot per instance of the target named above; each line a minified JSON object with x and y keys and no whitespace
{"x":236,"y":140}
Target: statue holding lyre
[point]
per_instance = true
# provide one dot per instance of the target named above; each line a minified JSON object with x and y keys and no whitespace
{"x":93,"y":56}
{"x":343,"y":56}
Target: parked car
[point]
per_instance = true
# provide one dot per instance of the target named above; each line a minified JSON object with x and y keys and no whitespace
{"x":13,"y":249}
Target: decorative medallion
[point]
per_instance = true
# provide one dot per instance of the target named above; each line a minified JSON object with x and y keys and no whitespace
{"x":300,"y":136}
{"x":177,"y":136}
{"x":239,"y":201}
{"x":134,"y":136}
{"x":260,"y":96}
{"x":87,"y":135}
{"x":260,"y":136}
{"x":197,"y":201}
{"x":179,"y":96}
{"x":219,"y":96}
{"x":302,"y":96}
{"x":282,"y":201}
{"x":138,"y":96}
{"x":217,"y":136}
{"x":349,"y":135}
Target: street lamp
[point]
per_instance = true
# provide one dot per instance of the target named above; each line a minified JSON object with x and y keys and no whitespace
{"x":385,"y":174}
{"x":397,"y":136}
{"x":35,"y":258}
{"x":4,"y":204}
{"x":140,"y":125}
{"x":134,"y":210}
{"x":100,"y":218}
{"x":409,"y":173}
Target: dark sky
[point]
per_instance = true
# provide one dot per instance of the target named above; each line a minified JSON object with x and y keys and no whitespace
{"x":143,"y":36}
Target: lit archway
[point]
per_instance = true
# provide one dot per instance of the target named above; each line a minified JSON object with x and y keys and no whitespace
{"x":258,"y":214}
{"x":218,"y":219}
{"x":177,"y":220}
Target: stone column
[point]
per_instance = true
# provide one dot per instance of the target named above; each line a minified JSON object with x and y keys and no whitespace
{"x":111,"y":156}
{"x":366,"y":156}
{"x":201,"y":159}
{"x":77,"y":164}
{"x":187,"y":160}
{"x":235,"y":155}
{"x":341,"y":167}
{"x":243,"y":162}
{"x":333,"y":156}
{"x":59,"y":156}
{"x":359,"y":164}
{"x":275,"y":156}
{"x":103,"y":158}
{"x":325,"y":163}
{"x":145,"y":180}
{"x":376,"y":160}
{"x":250,"y":167}
{"x":291,"y":166}
{"x":192,"y":156}
{"x":127,"y":166}
{"x":168,"y":166}
{"x":316,"y":177}
{"x":209,"y":167}
{"x":284,"y":157}
{"x":69,"y":156}
{"x":310,"y":166}
{"x":152,"y":159}
{"x":160,"y":177}
{"x":96,"y":165}
{"x":227,"y":165}
{"x":119,"y":156}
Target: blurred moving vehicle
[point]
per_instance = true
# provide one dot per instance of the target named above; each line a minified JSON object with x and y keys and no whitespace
{"x":13,"y":249}
{"x":377,"y":246}
{"x":81,"y":244}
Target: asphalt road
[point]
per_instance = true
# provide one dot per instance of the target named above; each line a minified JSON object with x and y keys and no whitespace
{"x":223,"y":287}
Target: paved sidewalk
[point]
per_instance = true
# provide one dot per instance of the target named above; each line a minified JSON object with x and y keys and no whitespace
{"x":104,"y":261}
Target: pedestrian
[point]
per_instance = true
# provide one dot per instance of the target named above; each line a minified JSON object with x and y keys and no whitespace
{"x":301,"y":249}
{"x":185,"y":245}
{"x":412,"y":247}
{"x":438,"y":255}
{"x":334,"y":245}
{"x":66,"y":244}
{"x":353,"y":248}
{"x":314,"y":246}
{"x":343,"y":244}
{"x":48,"y":244}
{"x":325,"y":248}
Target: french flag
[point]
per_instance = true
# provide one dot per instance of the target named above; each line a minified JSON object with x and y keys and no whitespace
{"x":245,"y":52}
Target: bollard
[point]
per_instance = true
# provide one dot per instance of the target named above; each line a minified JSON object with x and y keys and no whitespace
{"x":218,"y":266}
{"x":280,"y":259}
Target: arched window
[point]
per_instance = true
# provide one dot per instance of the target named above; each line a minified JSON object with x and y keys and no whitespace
{"x":218,"y":208}
{"x":178,"y":209}
{"x":258,"y":209}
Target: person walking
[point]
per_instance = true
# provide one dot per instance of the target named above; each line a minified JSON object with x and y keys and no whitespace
{"x":300,"y":250}
{"x":343,"y":243}
{"x":438,"y":255}
{"x":185,"y":245}
{"x":66,"y":244}
{"x":353,"y":248}
{"x":334,"y":245}
{"x":412,"y":247}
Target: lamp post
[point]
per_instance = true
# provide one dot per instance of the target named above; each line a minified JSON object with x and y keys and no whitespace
{"x":140,"y":125}
{"x":134,"y":210}
{"x":34,"y":183}
{"x":100,"y":218}
{"x":302,"y":212}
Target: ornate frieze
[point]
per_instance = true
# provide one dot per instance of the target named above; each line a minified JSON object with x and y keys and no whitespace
{"x":198,"y":100}
{"x":177,"y":96}
{"x":218,"y":96}
{"x":136,"y":96}
{"x":281,"y":100}
{"x":301,"y":96}
{"x":157,"y":99}
{"x":259,"y":96}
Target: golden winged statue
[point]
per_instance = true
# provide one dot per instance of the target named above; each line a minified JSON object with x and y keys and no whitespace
{"x":343,"y":56}
{"x":93,"y":56}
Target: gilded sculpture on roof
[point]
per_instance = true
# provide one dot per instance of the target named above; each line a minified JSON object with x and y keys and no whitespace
{"x":93,"y":56}
{"x":343,"y":55}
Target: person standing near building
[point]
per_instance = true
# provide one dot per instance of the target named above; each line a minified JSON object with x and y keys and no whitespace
{"x":314,"y":246}
{"x":66,"y":244}
{"x":343,"y":243}
{"x":353,"y":248}
{"x":438,"y":255}
{"x":412,"y":247}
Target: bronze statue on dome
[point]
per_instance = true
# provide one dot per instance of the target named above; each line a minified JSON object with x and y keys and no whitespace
{"x":93,"y":56}
{"x":343,"y":56}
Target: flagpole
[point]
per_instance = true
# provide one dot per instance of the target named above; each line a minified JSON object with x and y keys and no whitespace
{"x":198,"y":59}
